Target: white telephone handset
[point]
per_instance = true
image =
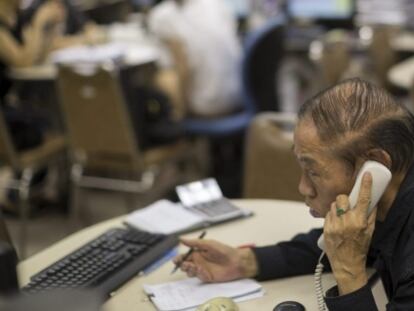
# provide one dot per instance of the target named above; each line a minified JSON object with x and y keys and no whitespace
{"x":381,"y":177}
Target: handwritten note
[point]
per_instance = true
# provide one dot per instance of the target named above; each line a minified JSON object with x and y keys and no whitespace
{"x":175,"y":295}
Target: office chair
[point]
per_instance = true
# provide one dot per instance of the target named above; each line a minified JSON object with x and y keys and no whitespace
{"x":381,"y":53}
{"x":262,"y":55}
{"x":334,"y":62}
{"x":264,"y":51}
{"x":4,"y":233}
{"x":104,"y":149}
{"x":270,"y":168}
{"x":225,"y":135}
{"x":8,"y":262}
{"x":24,"y":165}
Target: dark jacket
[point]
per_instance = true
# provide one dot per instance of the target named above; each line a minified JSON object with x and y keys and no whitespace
{"x":391,"y":254}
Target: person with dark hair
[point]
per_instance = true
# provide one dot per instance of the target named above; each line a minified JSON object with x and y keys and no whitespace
{"x":21,"y":45}
{"x":76,"y":29}
{"x":338,"y":130}
{"x":25,"y":44}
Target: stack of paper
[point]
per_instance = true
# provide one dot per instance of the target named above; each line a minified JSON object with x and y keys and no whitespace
{"x":174,"y":296}
{"x":89,"y":54}
{"x":163,"y":217}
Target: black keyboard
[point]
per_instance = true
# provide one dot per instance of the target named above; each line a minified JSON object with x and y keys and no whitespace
{"x":104,"y":263}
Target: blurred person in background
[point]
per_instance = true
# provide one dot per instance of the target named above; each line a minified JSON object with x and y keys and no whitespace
{"x":24,"y":45}
{"x":76,"y":29}
{"x":202,"y":75}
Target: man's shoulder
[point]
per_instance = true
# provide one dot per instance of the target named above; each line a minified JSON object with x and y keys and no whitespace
{"x":407,"y":195}
{"x":404,"y":262}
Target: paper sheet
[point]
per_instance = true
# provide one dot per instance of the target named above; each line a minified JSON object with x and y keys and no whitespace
{"x":163,"y":217}
{"x":89,"y":54}
{"x":175,"y":295}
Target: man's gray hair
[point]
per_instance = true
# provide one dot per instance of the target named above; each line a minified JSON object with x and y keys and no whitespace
{"x":355,"y":116}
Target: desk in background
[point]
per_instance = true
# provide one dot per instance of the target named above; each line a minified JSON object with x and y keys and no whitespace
{"x":36,"y":84}
{"x":273,"y":221}
{"x":139,"y":49}
{"x":402,"y":74}
{"x":135,"y":56}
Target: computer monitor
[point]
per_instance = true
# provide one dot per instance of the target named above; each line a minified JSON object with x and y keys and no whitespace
{"x":330,"y":12}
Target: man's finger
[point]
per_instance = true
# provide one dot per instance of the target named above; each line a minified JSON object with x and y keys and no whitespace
{"x":342,"y":202}
{"x":329,"y":218}
{"x":372,"y":220}
{"x":204,"y":275}
{"x":342,"y":205}
{"x":178,"y":259}
{"x":187,"y":266}
{"x":197,"y":243}
{"x":364,"y":197}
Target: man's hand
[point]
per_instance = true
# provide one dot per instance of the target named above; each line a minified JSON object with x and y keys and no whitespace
{"x":212,"y":261}
{"x":348,"y":236}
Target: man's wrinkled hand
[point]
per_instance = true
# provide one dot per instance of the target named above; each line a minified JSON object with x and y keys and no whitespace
{"x":348,"y":236}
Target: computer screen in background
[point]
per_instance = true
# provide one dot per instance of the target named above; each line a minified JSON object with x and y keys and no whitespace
{"x":240,"y":8}
{"x":321,"y":9}
{"x":328,"y":13}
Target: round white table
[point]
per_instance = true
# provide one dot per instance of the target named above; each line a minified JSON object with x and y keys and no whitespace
{"x":273,"y":221}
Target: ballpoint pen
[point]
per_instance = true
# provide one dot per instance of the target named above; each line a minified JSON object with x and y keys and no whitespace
{"x":190,"y":251}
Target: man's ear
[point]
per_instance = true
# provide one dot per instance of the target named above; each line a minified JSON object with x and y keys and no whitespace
{"x":381,"y":156}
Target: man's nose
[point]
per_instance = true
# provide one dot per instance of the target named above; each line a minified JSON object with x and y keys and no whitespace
{"x":305,"y":187}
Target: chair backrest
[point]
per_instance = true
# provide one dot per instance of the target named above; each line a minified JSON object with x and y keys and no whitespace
{"x":381,"y":52}
{"x":8,"y":153}
{"x":334,"y":62}
{"x":263,"y":53}
{"x":4,"y":234}
{"x":99,"y":125}
{"x":270,"y":168}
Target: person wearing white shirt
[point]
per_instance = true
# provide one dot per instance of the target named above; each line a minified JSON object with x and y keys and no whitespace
{"x":201,"y":36}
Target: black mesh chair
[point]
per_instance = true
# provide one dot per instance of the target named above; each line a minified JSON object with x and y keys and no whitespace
{"x":264,"y":51}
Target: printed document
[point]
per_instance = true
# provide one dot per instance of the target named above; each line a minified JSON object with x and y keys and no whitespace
{"x":163,"y":217}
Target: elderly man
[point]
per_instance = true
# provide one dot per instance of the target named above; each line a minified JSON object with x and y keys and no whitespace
{"x":337,"y":131}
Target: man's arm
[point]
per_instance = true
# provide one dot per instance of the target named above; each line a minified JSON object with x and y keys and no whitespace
{"x":90,"y":35}
{"x":296,"y":257}
{"x":360,"y":300}
{"x":363,"y":298}
{"x":217,"y":262}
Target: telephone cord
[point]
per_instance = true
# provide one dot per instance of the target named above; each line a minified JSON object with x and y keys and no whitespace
{"x":318,"y":284}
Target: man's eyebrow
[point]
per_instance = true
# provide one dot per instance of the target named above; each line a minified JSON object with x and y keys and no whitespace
{"x":305,"y":158}
{"x":308,"y":160}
